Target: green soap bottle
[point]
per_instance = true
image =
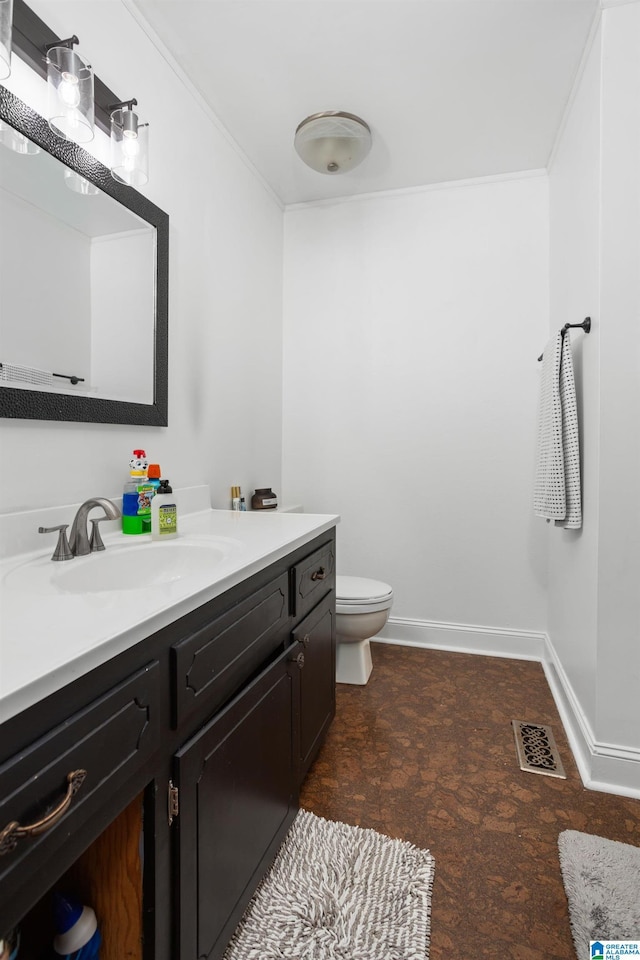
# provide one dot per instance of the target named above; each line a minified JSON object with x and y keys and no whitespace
{"x":164,"y":513}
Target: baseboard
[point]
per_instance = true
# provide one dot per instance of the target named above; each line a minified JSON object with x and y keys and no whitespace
{"x":605,"y":767}
{"x":464,"y":638}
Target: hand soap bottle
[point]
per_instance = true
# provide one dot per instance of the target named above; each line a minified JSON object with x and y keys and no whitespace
{"x":164,"y":513}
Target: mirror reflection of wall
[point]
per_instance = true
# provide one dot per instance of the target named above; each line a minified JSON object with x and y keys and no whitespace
{"x":40,"y":259}
{"x":122,"y":309}
{"x":77,"y":282}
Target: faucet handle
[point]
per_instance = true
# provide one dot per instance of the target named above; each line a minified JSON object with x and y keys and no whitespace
{"x":95,"y":540}
{"x":62,"y":550}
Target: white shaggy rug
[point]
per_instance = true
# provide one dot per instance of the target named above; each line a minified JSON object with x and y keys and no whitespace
{"x":336,"y":891}
{"x":602,"y":883}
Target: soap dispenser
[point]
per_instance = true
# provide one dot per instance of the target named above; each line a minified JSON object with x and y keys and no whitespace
{"x":164,"y":513}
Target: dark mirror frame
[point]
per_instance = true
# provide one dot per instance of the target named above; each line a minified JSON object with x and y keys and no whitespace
{"x":40,"y":405}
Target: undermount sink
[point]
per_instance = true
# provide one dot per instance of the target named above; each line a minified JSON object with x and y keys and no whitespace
{"x":128,"y":566}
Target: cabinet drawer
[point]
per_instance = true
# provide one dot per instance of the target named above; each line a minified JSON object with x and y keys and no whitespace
{"x":213,"y":663}
{"x":106,"y":745}
{"x":313,"y":577}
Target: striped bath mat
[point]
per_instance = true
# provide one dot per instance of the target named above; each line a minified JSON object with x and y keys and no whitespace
{"x":336,"y":891}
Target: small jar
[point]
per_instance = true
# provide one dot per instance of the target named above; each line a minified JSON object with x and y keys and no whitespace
{"x":264,"y":499}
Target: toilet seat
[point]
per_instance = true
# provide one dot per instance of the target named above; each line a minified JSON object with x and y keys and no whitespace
{"x":361,"y":595}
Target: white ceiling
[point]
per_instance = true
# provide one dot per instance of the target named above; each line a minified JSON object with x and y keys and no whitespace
{"x":452,"y":89}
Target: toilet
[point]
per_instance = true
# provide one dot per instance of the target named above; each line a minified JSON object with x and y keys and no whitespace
{"x":362,"y":609}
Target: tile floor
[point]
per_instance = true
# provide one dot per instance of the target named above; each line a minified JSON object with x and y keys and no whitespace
{"x":425,"y":751}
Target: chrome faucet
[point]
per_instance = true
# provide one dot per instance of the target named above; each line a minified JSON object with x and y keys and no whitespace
{"x":79,"y":541}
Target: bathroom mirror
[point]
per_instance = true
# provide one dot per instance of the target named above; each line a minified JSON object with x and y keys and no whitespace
{"x":83,"y":283}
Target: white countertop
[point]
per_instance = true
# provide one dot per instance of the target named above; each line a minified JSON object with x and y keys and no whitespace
{"x":49,"y":638}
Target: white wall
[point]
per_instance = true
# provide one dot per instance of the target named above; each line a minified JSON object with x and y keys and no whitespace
{"x":594,"y":603}
{"x":412,"y":324}
{"x":574,"y":193}
{"x":225,"y":337}
{"x":618,"y":668}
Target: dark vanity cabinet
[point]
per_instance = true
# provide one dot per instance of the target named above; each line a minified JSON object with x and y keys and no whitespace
{"x":208,"y":727}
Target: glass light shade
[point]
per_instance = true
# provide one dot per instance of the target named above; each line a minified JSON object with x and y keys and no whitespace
{"x":6,"y":26}
{"x":78,"y":184}
{"x":129,"y":148}
{"x":333,"y":142}
{"x":16,"y":141}
{"x":70,"y":85}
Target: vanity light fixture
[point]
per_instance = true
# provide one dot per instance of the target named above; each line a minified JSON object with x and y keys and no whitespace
{"x":77,"y":98}
{"x":16,"y":141}
{"x":332,"y":142}
{"x":129,"y":145}
{"x":6,"y":27}
{"x":79,"y":184}
{"x":70,"y":86}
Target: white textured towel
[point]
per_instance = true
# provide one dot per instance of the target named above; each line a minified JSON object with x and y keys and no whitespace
{"x":557,"y":482}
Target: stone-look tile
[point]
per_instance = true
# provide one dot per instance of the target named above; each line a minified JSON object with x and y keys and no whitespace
{"x":425,"y":751}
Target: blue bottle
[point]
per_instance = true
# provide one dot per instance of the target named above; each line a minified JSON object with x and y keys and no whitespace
{"x":78,"y":937}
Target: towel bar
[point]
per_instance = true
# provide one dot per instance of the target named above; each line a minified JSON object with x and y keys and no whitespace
{"x":585,"y":325}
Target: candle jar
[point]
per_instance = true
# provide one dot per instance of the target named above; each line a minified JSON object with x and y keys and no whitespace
{"x":264,"y":499}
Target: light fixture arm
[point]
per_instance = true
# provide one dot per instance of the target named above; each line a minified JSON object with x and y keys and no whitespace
{"x":69,"y":43}
{"x":124,"y":105}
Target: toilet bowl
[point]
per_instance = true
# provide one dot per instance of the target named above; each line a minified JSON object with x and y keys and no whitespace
{"x":362,"y":609}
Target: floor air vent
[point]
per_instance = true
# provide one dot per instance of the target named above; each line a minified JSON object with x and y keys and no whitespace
{"x":537,"y":750}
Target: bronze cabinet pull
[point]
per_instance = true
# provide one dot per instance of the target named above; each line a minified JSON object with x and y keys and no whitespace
{"x":319,"y":574}
{"x":13,"y":831}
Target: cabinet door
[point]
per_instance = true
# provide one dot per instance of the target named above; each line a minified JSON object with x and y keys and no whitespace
{"x":316,"y":638}
{"x":237,"y":798}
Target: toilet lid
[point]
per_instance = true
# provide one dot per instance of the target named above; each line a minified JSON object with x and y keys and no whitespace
{"x":360,"y":589}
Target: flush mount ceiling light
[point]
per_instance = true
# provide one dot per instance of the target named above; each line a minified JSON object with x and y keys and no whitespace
{"x":332,"y":142}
